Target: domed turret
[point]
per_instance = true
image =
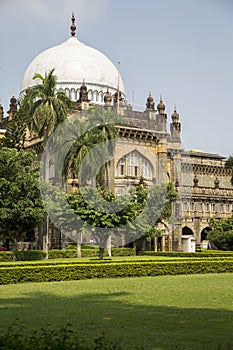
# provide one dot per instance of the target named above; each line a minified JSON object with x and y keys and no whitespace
{"x":175,"y":116}
{"x":74,"y":61}
{"x":1,"y":113}
{"x":117,"y":96}
{"x":150,"y":102}
{"x":13,"y":107}
{"x":161,"y":106}
{"x":108,"y":98}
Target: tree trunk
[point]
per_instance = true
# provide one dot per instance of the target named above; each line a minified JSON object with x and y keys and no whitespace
{"x":79,"y":242}
{"x":101,"y":253}
{"x":14,"y":248}
{"x":155,"y":244}
{"x":109,"y":245}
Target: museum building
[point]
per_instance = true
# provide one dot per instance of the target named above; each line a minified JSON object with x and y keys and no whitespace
{"x":149,"y":149}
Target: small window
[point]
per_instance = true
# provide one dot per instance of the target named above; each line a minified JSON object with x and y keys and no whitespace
{"x":221,"y":208}
{"x":192,"y":206}
{"x":185,"y":206}
{"x":213,"y":208}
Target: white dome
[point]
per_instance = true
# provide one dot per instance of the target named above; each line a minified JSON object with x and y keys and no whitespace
{"x":75,"y":62}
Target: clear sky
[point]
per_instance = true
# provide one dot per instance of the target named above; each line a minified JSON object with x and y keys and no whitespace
{"x":182,"y":49}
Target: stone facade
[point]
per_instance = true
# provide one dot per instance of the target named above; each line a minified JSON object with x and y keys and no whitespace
{"x":147,"y":152}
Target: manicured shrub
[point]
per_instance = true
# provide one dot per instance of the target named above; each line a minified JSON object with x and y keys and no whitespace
{"x":64,"y":272}
{"x":62,"y":254}
{"x":123,"y":251}
{"x":203,"y":254}
{"x":30,"y":255}
{"x":6,"y":256}
{"x":91,"y":252}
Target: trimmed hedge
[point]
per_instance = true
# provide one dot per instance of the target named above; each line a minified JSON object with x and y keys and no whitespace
{"x":66,"y":272}
{"x":89,"y":253}
{"x":30,"y":255}
{"x":77,"y":262}
{"x":6,"y":256}
{"x":203,"y":254}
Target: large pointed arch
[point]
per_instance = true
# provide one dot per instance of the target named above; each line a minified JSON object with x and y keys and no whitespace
{"x":135,"y":164}
{"x":187,"y":231}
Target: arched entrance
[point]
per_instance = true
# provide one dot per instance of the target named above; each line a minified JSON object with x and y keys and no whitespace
{"x":186,"y":231}
{"x":204,"y":233}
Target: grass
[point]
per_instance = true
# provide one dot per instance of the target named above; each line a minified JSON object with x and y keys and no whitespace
{"x":165,"y":312}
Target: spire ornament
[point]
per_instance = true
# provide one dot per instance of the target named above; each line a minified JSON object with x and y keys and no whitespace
{"x":161,"y":106}
{"x":150,"y":102}
{"x":73,"y":26}
{"x":175,"y":116}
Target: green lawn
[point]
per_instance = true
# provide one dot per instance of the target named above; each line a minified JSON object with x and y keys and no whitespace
{"x":165,"y":312}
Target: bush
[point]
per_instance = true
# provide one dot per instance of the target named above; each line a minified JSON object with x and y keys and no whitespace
{"x":90,"y":252}
{"x":65,"y":272}
{"x":48,"y":338}
{"x":30,"y":255}
{"x":6,"y":256}
{"x":62,"y":254}
{"x":203,"y":254}
{"x":123,"y":251}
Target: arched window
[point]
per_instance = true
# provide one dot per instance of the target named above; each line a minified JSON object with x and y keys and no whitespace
{"x":134,"y":165}
{"x":77,"y":93}
{"x":95,"y":96}
{"x":146,"y":169}
{"x":90,"y":95}
{"x":213,"y":207}
{"x":101,"y":95}
{"x":185,"y":206}
{"x":73,"y":94}
{"x":67,"y":92}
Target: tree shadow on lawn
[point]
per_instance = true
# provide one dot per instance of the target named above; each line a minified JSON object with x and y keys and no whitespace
{"x":132,"y":325}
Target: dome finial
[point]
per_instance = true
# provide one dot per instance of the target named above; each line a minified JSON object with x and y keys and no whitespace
{"x":73,"y":26}
{"x":175,"y":116}
{"x":150,"y":102}
{"x":161,"y":106}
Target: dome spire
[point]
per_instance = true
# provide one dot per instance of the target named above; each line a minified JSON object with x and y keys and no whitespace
{"x":175,"y":116}
{"x":73,"y":26}
{"x":161,"y":106}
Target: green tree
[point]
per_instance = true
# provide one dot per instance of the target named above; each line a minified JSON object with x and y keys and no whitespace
{"x":87,"y":212}
{"x":44,"y":107}
{"x":221,"y":234}
{"x":128,"y":208}
{"x":97,"y":129}
{"x":21,"y":208}
{"x":15,"y":134}
{"x":94,"y":144}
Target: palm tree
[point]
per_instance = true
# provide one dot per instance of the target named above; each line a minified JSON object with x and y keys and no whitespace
{"x":44,"y":108}
{"x":95,"y":144}
{"x":99,"y":130}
